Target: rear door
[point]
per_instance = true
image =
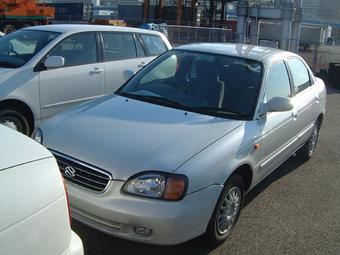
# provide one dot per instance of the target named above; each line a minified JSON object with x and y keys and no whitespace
{"x":305,"y":100}
{"x":81,"y":78}
{"x":122,"y":52}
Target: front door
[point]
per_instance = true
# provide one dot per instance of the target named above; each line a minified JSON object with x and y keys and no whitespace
{"x":81,"y":79}
{"x":278,"y":138}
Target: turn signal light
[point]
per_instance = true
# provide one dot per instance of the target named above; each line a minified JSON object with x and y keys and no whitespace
{"x":174,"y":188}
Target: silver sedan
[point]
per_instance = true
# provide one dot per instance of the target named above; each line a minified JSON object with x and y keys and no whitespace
{"x":172,"y":153}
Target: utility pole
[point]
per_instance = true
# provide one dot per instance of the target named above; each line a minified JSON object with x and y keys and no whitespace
{"x":242,"y":12}
{"x":160,"y":11}
{"x":179,"y":12}
{"x":286,"y":23}
{"x":296,"y":27}
{"x":146,"y":10}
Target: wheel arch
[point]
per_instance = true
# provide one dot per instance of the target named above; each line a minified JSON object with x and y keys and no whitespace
{"x":246,"y":172}
{"x":21,"y":107}
{"x":320,"y":119}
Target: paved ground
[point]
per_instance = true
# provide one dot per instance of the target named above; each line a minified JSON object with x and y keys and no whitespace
{"x":296,"y":210}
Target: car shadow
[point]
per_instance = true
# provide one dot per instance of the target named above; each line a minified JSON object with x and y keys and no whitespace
{"x":98,"y":243}
{"x":288,"y":166}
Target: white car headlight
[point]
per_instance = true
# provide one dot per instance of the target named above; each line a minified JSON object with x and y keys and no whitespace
{"x":157,"y":185}
{"x":37,"y":135}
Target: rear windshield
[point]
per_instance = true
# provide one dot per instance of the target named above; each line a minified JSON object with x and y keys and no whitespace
{"x":19,"y":47}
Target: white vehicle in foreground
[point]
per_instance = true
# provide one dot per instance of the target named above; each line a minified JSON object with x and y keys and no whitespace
{"x":34,"y":216}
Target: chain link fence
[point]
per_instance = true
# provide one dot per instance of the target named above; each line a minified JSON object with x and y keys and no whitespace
{"x":179,"y":35}
{"x":319,"y":55}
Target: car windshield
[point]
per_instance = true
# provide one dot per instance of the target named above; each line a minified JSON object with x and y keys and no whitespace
{"x":211,"y":84}
{"x":19,"y":47}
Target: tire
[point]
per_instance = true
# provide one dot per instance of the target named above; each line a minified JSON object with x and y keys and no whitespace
{"x":216,"y":233}
{"x":15,"y":120}
{"x":7,"y":29}
{"x":307,"y":150}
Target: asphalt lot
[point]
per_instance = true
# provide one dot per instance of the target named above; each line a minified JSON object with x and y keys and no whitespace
{"x":296,"y":210}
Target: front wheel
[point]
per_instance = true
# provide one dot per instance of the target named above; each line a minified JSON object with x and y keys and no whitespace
{"x":227,"y":211}
{"x":15,"y":120}
{"x":307,"y":150}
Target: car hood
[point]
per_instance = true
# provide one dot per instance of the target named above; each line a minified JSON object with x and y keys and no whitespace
{"x":5,"y":70}
{"x":126,"y":136}
{"x":17,"y":149}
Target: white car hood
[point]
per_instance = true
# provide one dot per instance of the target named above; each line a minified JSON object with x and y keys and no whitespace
{"x":17,"y":149}
{"x":5,"y":70}
{"x":126,"y":136}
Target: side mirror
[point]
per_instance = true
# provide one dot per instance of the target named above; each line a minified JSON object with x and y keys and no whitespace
{"x":127,"y":74}
{"x":279,"y":104}
{"x":54,"y":62}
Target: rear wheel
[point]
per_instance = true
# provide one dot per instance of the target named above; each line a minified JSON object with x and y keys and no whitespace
{"x":227,"y":211}
{"x":15,"y":120}
{"x":307,"y":151}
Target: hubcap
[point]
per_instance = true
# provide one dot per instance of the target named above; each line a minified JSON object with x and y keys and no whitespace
{"x":9,"y":123}
{"x":312,"y":141}
{"x":229,"y":210}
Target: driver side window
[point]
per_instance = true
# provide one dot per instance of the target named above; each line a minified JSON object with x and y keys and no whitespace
{"x":278,"y":84}
{"x":78,"y":49}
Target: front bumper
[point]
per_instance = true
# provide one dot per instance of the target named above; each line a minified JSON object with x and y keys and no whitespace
{"x":117,"y":214}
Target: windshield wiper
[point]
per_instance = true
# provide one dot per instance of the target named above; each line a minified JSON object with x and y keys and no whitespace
{"x":218,"y":110}
{"x":152,"y":99}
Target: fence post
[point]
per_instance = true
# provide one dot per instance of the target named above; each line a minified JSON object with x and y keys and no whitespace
{"x":195,"y":34}
{"x":179,"y":35}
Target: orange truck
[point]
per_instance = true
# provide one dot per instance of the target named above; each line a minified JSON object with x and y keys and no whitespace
{"x":15,"y":14}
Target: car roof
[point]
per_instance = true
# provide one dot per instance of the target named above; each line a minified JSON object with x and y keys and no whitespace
{"x":76,"y":28}
{"x":248,"y":51}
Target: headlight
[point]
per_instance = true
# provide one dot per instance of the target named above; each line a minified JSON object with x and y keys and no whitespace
{"x":157,"y":185}
{"x":37,"y":135}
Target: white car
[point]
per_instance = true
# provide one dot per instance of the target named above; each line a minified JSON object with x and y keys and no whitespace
{"x":46,"y":69}
{"x":171,"y":155}
{"x":34,"y":213}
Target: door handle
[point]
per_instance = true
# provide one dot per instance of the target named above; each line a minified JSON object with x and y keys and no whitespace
{"x":96,"y":70}
{"x":142,"y":64}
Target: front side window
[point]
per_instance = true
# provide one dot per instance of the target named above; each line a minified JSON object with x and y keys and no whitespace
{"x":119,"y":46}
{"x":211,"y":84}
{"x":278,"y":84}
{"x":19,"y":47}
{"x":154,"y":44}
{"x":77,"y":49}
{"x":300,"y":74}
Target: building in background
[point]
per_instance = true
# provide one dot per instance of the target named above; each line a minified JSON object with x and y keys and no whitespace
{"x":325,"y":11}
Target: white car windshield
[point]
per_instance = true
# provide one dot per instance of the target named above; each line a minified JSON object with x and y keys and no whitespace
{"x":212,"y":84}
{"x":19,"y":47}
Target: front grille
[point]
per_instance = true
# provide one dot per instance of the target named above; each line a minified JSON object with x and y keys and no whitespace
{"x":83,"y":174}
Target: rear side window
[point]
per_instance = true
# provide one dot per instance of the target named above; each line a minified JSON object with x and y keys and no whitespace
{"x":78,"y":49}
{"x":300,"y":74}
{"x":154,"y":44}
{"x":278,"y":84}
{"x":119,"y":46}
